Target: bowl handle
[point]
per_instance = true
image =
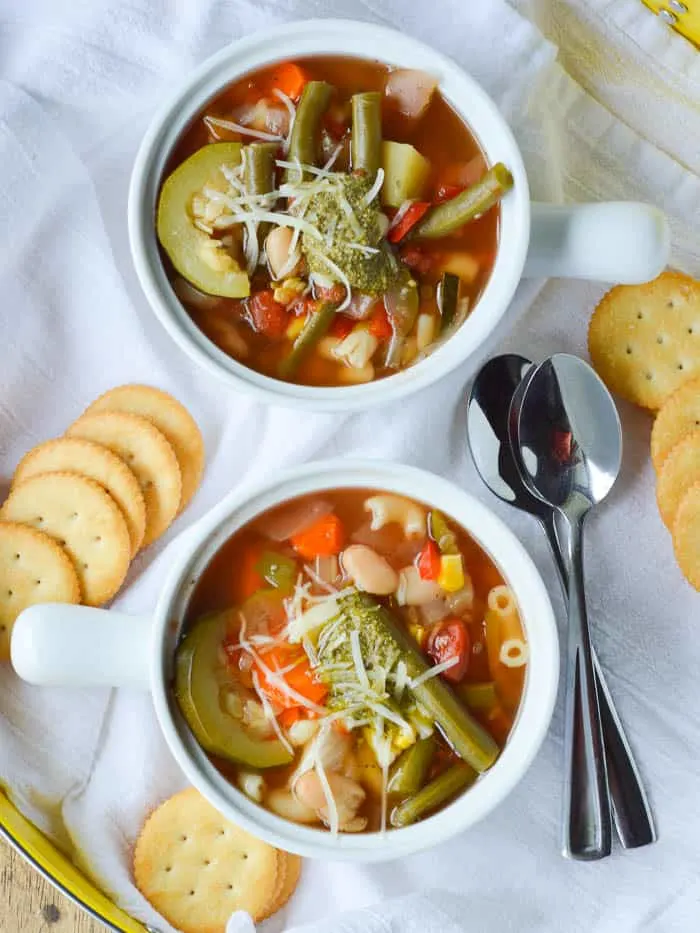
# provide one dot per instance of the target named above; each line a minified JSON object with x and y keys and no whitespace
{"x":624,"y":242}
{"x":60,"y":645}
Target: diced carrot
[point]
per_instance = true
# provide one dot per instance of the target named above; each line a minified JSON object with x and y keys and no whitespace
{"x":247,"y":580}
{"x":324,"y":538}
{"x":428,"y":561}
{"x":300,"y":678}
{"x":342,"y":326}
{"x":290,"y":79}
{"x":291,"y":715}
{"x":380,"y":325}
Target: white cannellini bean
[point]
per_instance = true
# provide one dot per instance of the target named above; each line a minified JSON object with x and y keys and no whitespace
{"x":252,"y":785}
{"x":277,"y":246}
{"x":370,"y":571}
{"x":413,"y":590}
{"x":350,"y":375}
{"x":285,"y":804}
{"x":387,"y":508}
{"x":326,"y":348}
{"x":357,"y":348}
{"x":301,"y":732}
{"x":347,"y":794}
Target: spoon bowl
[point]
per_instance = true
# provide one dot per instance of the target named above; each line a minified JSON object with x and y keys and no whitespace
{"x":569,"y":434}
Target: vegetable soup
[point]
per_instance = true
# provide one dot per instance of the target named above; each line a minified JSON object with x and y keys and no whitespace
{"x":329,"y":221}
{"x":352,"y":660}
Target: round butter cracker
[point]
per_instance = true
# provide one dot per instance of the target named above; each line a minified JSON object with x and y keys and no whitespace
{"x":196,"y":868}
{"x":171,"y":418}
{"x":680,"y":469}
{"x":148,"y":455}
{"x":679,"y":415}
{"x":644,"y":340}
{"x":84,"y":519}
{"x":33,"y":569}
{"x":686,"y":535}
{"x":77,"y":455}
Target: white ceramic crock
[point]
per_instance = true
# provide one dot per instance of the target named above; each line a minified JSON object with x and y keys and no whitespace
{"x":613,"y":242}
{"x":73,"y":645}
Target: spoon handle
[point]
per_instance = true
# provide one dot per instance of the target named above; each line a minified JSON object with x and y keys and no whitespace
{"x":586,"y":824}
{"x":631,"y":811}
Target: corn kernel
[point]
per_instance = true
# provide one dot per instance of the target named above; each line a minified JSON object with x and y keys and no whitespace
{"x":403,"y":740}
{"x":295,"y":327}
{"x":417,"y":632}
{"x":451,"y":576}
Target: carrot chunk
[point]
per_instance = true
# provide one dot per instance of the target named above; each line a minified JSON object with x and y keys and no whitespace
{"x":323,"y":539}
{"x":290,"y":79}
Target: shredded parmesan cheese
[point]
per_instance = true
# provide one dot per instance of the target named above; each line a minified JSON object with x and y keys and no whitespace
{"x":375,"y":189}
{"x":433,"y":672}
{"x":357,"y":659}
{"x":270,"y":713}
{"x":328,"y":794}
{"x":214,"y":123}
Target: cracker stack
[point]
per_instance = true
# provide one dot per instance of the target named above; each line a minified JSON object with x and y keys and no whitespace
{"x":644,"y":341}
{"x":82,"y":506}
{"x":196,"y":869}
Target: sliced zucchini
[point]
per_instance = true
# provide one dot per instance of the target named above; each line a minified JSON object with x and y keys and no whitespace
{"x":405,"y":173}
{"x":198,"y":257}
{"x":198,"y":690}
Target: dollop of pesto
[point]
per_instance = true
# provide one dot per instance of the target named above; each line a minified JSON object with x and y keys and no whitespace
{"x":371,"y":270}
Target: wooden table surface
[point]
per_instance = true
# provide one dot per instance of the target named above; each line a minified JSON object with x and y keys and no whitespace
{"x":29,"y":904}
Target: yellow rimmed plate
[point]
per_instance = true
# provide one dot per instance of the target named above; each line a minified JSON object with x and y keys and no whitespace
{"x":681,"y":15}
{"x":56,"y":868}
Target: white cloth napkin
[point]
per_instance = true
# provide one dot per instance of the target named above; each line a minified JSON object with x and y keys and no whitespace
{"x":81,"y":82}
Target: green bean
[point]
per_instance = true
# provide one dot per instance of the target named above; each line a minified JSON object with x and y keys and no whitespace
{"x":447,"y":296}
{"x":366,"y":150}
{"x":259,"y":167}
{"x":259,"y":175}
{"x":442,"y":534}
{"x":478,"y":696}
{"x":409,"y":771}
{"x":315,"y":328}
{"x":449,"y":216}
{"x":438,"y":792}
{"x":302,"y":140}
{"x":466,"y":736}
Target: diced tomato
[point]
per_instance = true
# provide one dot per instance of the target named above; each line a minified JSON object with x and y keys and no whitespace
{"x":380,"y":325}
{"x":302,"y":305}
{"x":334,"y":293}
{"x":428,"y":561}
{"x":416,"y":259}
{"x":446,"y":193}
{"x":247,"y":579}
{"x":300,"y":678}
{"x":450,"y":639}
{"x":290,"y":79}
{"x":342,"y":326}
{"x":408,"y":221}
{"x":323,"y":539}
{"x":267,"y":316}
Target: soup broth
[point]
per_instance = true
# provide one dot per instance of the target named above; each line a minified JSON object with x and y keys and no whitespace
{"x":351,"y":660}
{"x":327,"y":257}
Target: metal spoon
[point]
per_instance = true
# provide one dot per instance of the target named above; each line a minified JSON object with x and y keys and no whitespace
{"x":487,"y":432}
{"x":567,"y":440}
